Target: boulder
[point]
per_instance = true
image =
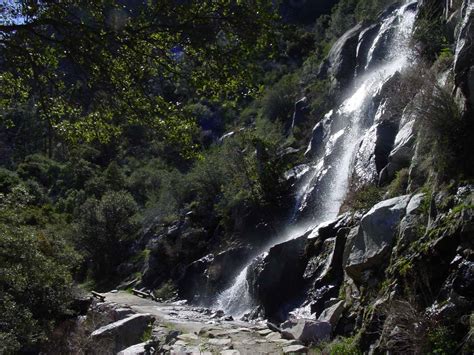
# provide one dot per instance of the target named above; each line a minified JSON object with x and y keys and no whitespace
{"x":278,"y":278}
{"x":332,"y":314}
{"x":121,"y":313}
{"x":121,"y":334}
{"x":410,"y":223}
{"x":306,"y":330}
{"x":295,"y":349}
{"x":401,"y":155}
{"x":374,"y":241}
{"x":137,"y":349}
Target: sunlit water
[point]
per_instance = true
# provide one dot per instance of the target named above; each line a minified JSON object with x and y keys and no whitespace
{"x":324,"y":184}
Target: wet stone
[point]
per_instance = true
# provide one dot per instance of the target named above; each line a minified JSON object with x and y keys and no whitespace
{"x":188,"y":337}
{"x":273,"y":336}
{"x":220,"y":342}
{"x":264,"y":332}
{"x":295,"y":349}
{"x":230,"y":352}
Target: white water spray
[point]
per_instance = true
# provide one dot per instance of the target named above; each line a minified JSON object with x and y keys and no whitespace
{"x":324,"y":186}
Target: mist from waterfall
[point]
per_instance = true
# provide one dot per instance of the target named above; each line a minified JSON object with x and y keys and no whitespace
{"x":324,"y":183}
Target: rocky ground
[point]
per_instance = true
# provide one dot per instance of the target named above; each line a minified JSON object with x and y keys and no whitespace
{"x":182,"y":329}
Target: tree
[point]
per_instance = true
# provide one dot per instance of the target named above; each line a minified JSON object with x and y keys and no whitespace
{"x":90,"y":68}
{"x":106,"y":228}
{"x":35,"y":275}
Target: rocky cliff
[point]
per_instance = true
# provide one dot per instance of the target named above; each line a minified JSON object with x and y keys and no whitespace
{"x":382,"y":229}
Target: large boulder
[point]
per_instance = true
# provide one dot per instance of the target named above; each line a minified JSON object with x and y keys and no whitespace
{"x":121,"y":334}
{"x":332,"y":314}
{"x":376,"y":234}
{"x":137,"y":349}
{"x":319,"y":134}
{"x":410,"y":223}
{"x":306,"y":330}
{"x":278,"y":278}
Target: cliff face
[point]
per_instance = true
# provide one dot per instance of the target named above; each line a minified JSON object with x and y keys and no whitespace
{"x":389,"y":171}
{"x":397,"y":275}
{"x":396,"y":270}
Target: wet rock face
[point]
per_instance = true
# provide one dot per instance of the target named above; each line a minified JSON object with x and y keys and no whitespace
{"x":366,"y":39}
{"x":204,"y":278}
{"x":375,"y":238}
{"x":300,"y":114}
{"x":341,"y":62}
{"x":279,"y":278}
{"x":464,"y":56}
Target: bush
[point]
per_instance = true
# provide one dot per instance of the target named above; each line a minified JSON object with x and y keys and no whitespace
{"x":8,"y":179}
{"x":41,"y":168}
{"x":430,"y":31}
{"x":279,"y":101}
{"x":36,"y":292}
{"x":445,"y":135}
{"x":399,"y":185}
{"x":362,"y":198}
{"x":106,"y":227}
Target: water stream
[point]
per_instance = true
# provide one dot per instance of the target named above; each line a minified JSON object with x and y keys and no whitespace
{"x":323,"y":185}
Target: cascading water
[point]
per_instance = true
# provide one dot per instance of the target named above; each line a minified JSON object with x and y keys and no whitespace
{"x":323,"y":185}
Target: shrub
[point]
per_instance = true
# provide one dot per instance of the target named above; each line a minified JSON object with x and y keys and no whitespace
{"x":430,"y":31}
{"x":362,"y":198}
{"x":8,"y":179}
{"x":278,"y":102}
{"x":34,"y":293}
{"x":408,"y":331}
{"x":44,"y":170}
{"x":445,"y":135}
{"x":399,"y":185}
{"x":106,"y":227}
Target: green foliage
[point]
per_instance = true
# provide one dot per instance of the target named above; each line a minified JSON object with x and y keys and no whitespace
{"x":94,"y":68}
{"x":40,"y":168}
{"x":278,"y":102}
{"x":399,"y":185}
{"x":430,"y":31}
{"x":8,"y":179}
{"x":105,"y":229}
{"x":166,"y":292}
{"x":445,"y":135}
{"x":363,"y":198}
{"x":147,"y":334}
{"x":340,"y":346}
{"x":35,"y":292}
{"x":441,"y":341}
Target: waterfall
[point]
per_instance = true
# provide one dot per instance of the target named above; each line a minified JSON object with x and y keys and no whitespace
{"x":324,"y":184}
